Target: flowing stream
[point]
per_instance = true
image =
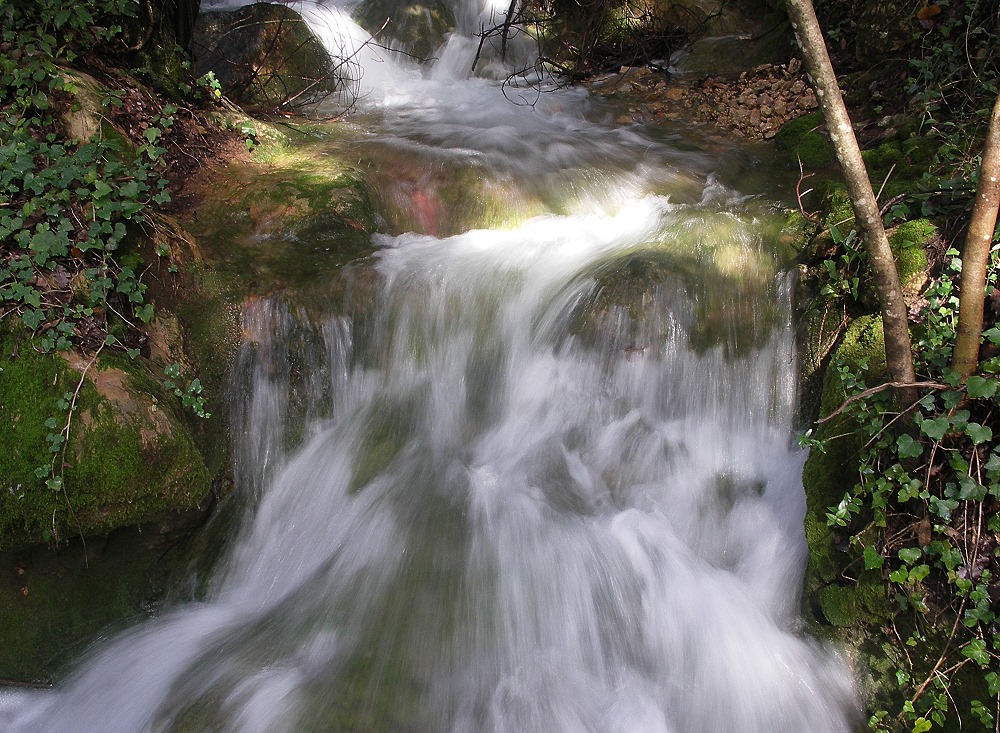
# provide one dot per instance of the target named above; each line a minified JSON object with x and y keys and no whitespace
{"x":544,"y":482}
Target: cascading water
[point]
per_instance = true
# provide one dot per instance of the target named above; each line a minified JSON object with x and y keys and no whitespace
{"x":545,"y":483}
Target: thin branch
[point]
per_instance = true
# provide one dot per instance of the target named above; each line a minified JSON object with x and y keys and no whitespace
{"x":880,"y":388}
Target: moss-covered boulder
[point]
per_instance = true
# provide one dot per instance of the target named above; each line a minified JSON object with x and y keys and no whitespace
{"x":265,"y":56}
{"x":129,"y":459}
{"x":283,"y":221}
{"x":843,"y":599}
{"x":707,"y":272}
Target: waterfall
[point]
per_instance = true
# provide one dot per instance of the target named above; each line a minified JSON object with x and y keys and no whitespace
{"x":542,"y":481}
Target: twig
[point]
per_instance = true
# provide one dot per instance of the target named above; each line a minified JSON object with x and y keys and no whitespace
{"x":62,"y":458}
{"x":887,"y":175}
{"x":880,"y":388}
{"x":799,"y":193}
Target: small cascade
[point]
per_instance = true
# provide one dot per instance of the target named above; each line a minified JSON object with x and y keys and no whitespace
{"x":540,"y":480}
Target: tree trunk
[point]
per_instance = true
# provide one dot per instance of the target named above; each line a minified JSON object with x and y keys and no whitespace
{"x":976,"y":254}
{"x":898,"y":353}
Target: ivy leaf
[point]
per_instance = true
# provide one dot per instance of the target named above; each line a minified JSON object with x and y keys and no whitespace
{"x":976,"y":651}
{"x":101,"y":189}
{"x":910,"y":555}
{"x":970,"y":489}
{"x":993,"y":680}
{"x":922,"y":725}
{"x":977,"y":386}
{"x":907,"y":447}
{"x":978,"y":433}
{"x":33,"y":318}
{"x":934,"y":429}
{"x":873,"y":558}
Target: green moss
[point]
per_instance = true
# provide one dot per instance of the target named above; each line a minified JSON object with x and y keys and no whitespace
{"x":863,"y":344}
{"x":30,"y":384}
{"x":909,"y":243}
{"x":855,"y":604}
{"x":829,"y":474}
{"x":879,"y":160}
{"x":803,"y":139}
{"x":140,"y":480}
{"x":838,"y":207}
{"x":128,"y":461}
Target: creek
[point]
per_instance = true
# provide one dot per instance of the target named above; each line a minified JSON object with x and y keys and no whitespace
{"x":543,"y":478}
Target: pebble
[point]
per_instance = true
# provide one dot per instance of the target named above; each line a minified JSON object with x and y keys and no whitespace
{"x":756,"y":104}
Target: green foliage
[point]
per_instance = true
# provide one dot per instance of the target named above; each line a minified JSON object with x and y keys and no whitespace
{"x":69,"y":210}
{"x":923,"y":514}
{"x":955,"y":74}
{"x":66,"y":206}
{"x":191,"y":395}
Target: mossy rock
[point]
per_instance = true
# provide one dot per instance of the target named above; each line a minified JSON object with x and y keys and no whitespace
{"x":855,"y":604}
{"x":54,"y":602}
{"x":887,"y":155}
{"x":286,"y":225}
{"x":909,"y":242}
{"x":838,"y":208}
{"x":129,"y":459}
{"x":264,"y":56}
{"x":419,"y":28}
{"x":704,"y":273}
{"x":830,"y":473}
{"x":805,"y":138}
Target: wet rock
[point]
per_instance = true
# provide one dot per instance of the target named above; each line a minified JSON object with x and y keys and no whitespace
{"x":265,"y":56}
{"x":419,"y":28}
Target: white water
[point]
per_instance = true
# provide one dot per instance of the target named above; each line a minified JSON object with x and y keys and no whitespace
{"x":502,"y":515}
